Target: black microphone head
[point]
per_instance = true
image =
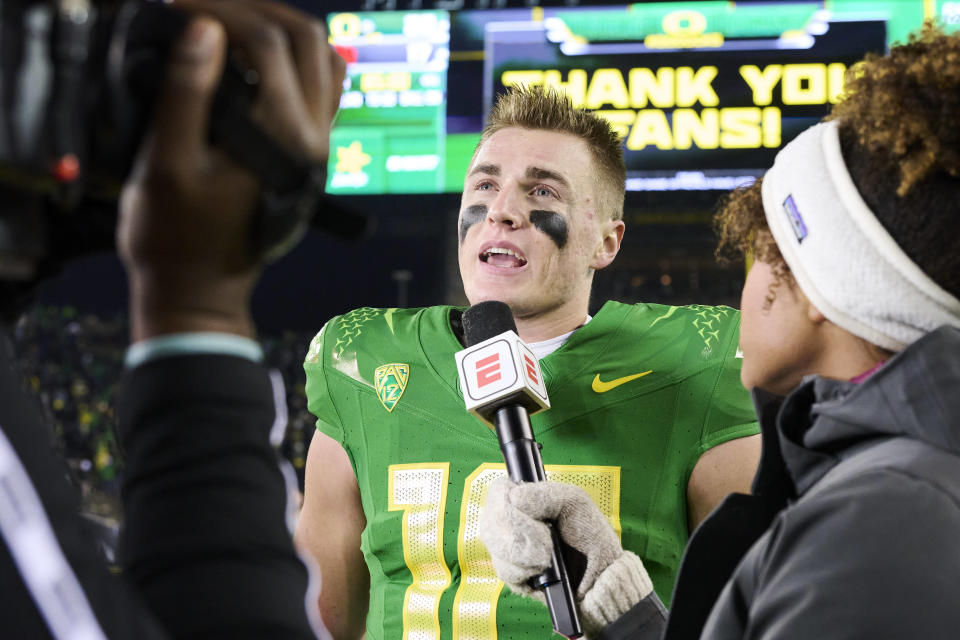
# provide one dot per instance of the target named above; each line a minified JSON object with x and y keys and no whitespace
{"x":485,"y":320}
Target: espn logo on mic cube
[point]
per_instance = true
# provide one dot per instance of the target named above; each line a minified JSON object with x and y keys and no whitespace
{"x":497,"y":369}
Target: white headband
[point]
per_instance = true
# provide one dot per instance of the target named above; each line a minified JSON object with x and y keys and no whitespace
{"x":841,"y":256}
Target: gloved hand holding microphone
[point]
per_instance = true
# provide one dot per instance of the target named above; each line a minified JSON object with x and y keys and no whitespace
{"x":512,"y":526}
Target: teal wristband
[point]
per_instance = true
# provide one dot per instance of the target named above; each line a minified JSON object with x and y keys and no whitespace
{"x":196,"y":343}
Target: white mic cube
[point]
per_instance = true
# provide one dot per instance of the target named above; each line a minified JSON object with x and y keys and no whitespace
{"x":498,"y":369}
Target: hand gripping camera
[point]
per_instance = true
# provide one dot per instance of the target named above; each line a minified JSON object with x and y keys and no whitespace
{"x":77,"y":86}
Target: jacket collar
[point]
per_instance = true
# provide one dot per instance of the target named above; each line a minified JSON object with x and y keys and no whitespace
{"x":822,"y":420}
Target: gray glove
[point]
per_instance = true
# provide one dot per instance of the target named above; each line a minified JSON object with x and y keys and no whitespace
{"x":512,"y":528}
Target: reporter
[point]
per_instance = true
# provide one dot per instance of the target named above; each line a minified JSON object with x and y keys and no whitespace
{"x":207,"y":543}
{"x":852,"y":310}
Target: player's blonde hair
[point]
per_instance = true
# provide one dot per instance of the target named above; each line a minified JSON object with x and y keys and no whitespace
{"x":534,"y":107}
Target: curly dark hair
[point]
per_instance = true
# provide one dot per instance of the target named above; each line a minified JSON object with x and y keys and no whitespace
{"x":742,"y":228}
{"x":899,"y":123}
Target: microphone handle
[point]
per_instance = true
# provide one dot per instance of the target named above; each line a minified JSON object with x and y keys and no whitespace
{"x":521,"y":452}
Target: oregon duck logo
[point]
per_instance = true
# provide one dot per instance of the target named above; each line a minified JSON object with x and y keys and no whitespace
{"x":391,"y":380}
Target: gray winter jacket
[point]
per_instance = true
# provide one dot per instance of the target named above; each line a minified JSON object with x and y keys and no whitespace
{"x":859,"y":487}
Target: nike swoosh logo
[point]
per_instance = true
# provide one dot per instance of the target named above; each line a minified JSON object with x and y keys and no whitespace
{"x":602,"y":387}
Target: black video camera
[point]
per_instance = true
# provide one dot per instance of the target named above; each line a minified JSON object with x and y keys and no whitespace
{"x":77,"y":83}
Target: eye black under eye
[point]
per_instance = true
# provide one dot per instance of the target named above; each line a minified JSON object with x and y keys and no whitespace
{"x":552,"y":224}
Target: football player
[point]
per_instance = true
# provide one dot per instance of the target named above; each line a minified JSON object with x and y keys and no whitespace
{"x":648,"y":414}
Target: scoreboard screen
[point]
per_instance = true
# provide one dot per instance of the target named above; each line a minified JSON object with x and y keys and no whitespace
{"x":703,"y":93}
{"x":390,"y":131}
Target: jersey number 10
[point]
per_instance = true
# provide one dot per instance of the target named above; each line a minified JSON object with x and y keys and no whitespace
{"x":420,"y":491}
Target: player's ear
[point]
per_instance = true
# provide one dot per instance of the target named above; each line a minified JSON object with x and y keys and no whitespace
{"x":609,"y":246}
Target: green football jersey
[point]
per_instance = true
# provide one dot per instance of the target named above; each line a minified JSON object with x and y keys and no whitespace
{"x":637,"y":395}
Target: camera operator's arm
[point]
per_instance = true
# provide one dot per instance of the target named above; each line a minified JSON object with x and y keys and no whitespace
{"x":207,"y":542}
{"x":186,"y":211}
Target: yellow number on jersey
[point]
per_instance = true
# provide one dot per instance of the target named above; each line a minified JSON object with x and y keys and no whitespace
{"x":475,"y":603}
{"x":420,"y":491}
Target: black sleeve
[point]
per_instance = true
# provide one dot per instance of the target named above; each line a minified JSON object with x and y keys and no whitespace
{"x":51,"y":576}
{"x":206,"y":540}
{"x":646,"y":620}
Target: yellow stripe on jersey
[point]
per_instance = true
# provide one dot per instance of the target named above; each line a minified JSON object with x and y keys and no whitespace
{"x":420,"y":491}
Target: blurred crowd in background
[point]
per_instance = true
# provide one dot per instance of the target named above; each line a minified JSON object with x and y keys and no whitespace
{"x":73,"y":361}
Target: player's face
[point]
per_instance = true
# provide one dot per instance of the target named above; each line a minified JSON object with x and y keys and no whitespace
{"x":777,"y":338}
{"x":530,"y":231}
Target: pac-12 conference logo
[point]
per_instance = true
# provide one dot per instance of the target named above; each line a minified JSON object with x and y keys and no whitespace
{"x":391,"y":381}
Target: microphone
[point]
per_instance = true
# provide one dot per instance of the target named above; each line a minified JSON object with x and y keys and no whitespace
{"x":502,"y":385}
